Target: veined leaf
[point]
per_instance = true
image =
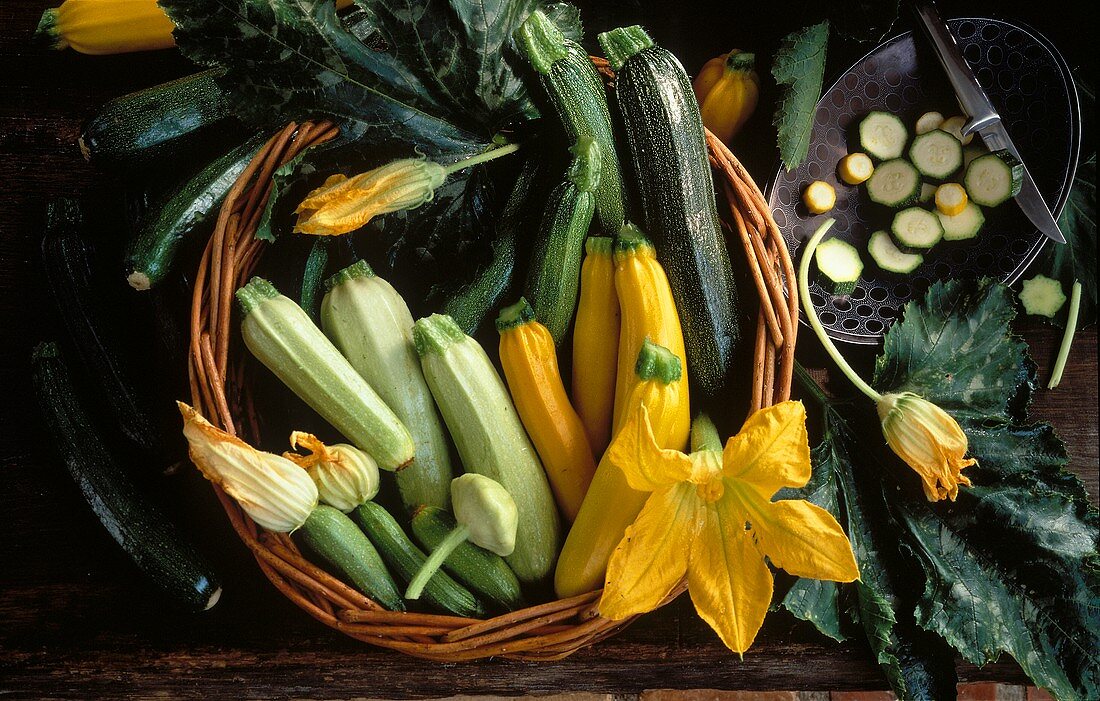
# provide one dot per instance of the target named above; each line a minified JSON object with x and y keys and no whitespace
{"x":1012,"y":566}
{"x":1076,"y":258}
{"x":800,"y":66}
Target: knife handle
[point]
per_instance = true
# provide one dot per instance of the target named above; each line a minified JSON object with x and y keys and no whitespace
{"x":972,"y":97}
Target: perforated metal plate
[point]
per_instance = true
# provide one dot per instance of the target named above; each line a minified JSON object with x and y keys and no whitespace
{"x":1029,"y":84}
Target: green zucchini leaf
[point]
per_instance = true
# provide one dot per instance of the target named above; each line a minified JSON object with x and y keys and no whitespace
{"x":1076,"y":258}
{"x":1012,"y":566}
{"x":800,"y":66}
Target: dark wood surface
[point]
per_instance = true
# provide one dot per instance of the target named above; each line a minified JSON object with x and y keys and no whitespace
{"x":78,"y":622}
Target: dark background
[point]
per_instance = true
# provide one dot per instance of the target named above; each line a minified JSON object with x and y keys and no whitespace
{"x":78,"y":621}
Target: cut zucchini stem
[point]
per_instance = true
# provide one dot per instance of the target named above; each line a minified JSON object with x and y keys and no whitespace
{"x":1067,"y":337}
{"x":455,"y":538}
{"x":811,"y":313}
{"x":481,"y":158}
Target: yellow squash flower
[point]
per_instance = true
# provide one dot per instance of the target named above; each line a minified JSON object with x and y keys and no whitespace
{"x":710,"y":518}
{"x":922,"y":434}
{"x":928,"y":440}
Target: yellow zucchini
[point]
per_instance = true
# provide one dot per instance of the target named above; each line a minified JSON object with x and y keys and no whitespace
{"x":531,"y":368}
{"x":610,"y":504}
{"x":596,"y":343}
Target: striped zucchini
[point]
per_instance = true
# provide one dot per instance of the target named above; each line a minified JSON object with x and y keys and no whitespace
{"x":554,"y":277}
{"x":665,"y":134}
{"x":578,"y":96}
{"x":287,"y":342}
{"x":490,"y":438}
{"x":370,"y":324}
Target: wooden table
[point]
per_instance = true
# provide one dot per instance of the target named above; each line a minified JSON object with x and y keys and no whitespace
{"x":78,"y":621}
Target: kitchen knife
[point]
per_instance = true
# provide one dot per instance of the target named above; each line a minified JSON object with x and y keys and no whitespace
{"x":984,"y":118}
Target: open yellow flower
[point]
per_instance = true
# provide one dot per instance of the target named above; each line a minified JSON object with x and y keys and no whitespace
{"x":710,"y":518}
{"x":928,"y":440}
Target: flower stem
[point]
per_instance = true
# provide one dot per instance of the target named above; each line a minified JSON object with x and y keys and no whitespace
{"x":810,"y":384}
{"x":704,"y":434}
{"x":811,"y":313}
{"x":453,"y":539}
{"x":1067,"y":337}
{"x":481,"y":158}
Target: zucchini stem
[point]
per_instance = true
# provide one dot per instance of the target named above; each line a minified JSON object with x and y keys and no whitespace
{"x":810,"y":385}
{"x":1067,"y":337}
{"x":811,"y":313}
{"x":455,"y":538}
{"x":481,"y":158}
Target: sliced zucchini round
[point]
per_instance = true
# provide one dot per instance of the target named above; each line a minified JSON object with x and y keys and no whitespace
{"x":882,"y":135}
{"x":889,"y":257}
{"x":916,"y":229}
{"x":993,"y":178}
{"x":840,"y":265}
{"x":936,"y":154}
{"x":954,"y":127}
{"x":927,"y":192}
{"x":951,"y":199}
{"x":895,"y":183}
{"x":855,"y":168}
{"x":971,"y":152}
{"x":819,"y":197}
{"x":928,"y":121}
{"x":964,"y":225}
{"x":1042,"y":296}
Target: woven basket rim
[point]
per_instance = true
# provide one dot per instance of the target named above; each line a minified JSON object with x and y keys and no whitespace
{"x":545,"y":632}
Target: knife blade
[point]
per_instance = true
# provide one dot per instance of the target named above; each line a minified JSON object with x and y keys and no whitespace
{"x":984,"y":119}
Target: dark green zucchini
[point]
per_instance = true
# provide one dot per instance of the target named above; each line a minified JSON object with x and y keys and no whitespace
{"x":483,"y":572}
{"x":154,"y":245}
{"x":333,"y":537}
{"x":577,"y":94}
{"x":405,"y":559}
{"x":313,"y":278}
{"x":135,"y":523}
{"x":476,"y":299}
{"x":66,"y":256}
{"x":669,"y":153}
{"x":553,"y":280}
{"x":142,"y":128}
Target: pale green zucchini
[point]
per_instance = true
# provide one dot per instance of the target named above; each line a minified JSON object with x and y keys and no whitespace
{"x":490,"y":438}
{"x":370,"y":324}
{"x":286,"y":340}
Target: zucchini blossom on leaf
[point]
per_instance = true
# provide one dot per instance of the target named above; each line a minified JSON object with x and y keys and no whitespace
{"x":345,"y":476}
{"x":275,"y":492}
{"x":928,"y":440}
{"x":710,"y":518}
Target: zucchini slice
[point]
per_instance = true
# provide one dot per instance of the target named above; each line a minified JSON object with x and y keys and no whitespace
{"x":994,"y":178}
{"x":882,"y":135}
{"x":964,"y":225}
{"x":819,"y":197}
{"x":927,"y":192}
{"x":972,"y":152}
{"x":855,"y":168}
{"x":889,"y":258}
{"x":1042,"y":296}
{"x":840,"y":265}
{"x":928,"y":122}
{"x":936,"y":154}
{"x":954,"y":127}
{"x":895,"y":183}
{"x":916,"y":229}
{"x":951,"y":199}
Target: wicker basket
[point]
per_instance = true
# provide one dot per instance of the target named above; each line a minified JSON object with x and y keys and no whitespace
{"x":549,"y":631}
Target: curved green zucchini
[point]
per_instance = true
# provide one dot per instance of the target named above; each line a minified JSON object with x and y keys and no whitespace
{"x":153,"y":248}
{"x":143,"y":128}
{"x":137,"y":525}
{"x":406,"y":560}
{"x":665,"y":134}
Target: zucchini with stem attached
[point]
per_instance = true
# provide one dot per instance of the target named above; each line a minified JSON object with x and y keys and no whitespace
{"x":577,"y":94}
{"x":288,"y":343}
{"x":89,"y":322}
{"x":668,"y":148}
{"x":136,"y":524}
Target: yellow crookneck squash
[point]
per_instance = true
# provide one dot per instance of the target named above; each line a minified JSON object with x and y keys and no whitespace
{"x":727,"y":89}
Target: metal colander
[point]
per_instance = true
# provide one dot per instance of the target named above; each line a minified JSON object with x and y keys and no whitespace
{"x":1032,"y":88}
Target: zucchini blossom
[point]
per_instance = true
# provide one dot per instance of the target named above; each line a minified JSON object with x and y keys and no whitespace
{"x":345,"y":476}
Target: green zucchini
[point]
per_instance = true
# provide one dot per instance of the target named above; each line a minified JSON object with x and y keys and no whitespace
{"x":288,"y":343}
{"x":889,"y":257}
{"x":313,"y":276}
{"x":994,"y":178}
{"x":896,"y":183}
{"x":485,"y":573}
{"x":476,"y":299}
{"x":90,"y":324}
{"x":577,"y":94}
{"x":936,"y":154}
{"x":335,"y":538}
{"x":882,"y":135}
{"x":916,"y":230}
{"x":967,"y":224}
{"x":136,"y":524}
{"x":154,"y":244}
{"x":406,"y":559}
{"x":490,"y":438}
{"x":665,"y":134}
{"x":840,"y":265}
{"x":370,"y":324}
{"x":554,"y":278}
{"x":144,"y":127}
